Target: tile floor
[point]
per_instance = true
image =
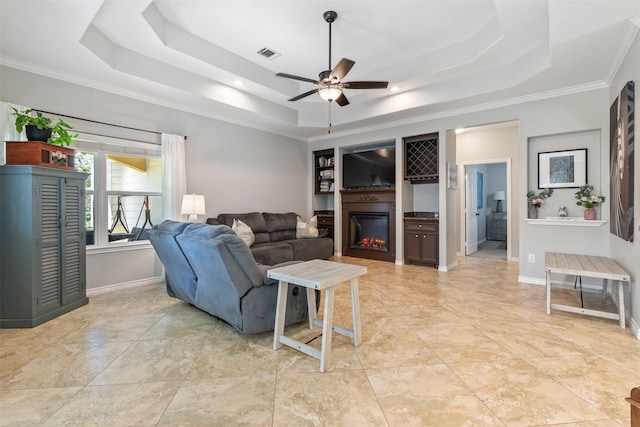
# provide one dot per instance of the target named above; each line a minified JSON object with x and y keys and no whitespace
{"x":471,"y":347}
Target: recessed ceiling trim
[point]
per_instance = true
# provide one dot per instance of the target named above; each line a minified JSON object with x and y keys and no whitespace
{"x":191,"y":45}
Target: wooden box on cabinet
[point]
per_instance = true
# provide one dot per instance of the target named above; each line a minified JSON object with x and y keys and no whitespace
{"x":42,"y":264}
{"x":421,"y":242}
{"x":38,"y":153}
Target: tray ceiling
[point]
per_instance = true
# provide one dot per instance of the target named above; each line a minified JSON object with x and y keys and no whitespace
{"x":442,"y":56}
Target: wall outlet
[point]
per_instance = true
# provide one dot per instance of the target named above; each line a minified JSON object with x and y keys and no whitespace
{"x":532,"y":257}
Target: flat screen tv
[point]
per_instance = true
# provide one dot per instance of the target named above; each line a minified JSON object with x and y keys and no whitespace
{"x":374,"y":168}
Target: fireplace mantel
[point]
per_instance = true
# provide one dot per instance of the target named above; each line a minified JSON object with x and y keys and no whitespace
{"x":370,"y":200}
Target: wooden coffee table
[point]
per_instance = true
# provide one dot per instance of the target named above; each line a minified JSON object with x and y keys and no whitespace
{"x":318,"y":275}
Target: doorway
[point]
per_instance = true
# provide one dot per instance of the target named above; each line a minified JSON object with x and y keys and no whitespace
{"x":485,"y":217}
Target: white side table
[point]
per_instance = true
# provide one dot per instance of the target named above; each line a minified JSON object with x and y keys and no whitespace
{"x":317,"y":275}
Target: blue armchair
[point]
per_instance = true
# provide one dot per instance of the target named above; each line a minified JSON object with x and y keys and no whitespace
{"x":210,"y":267}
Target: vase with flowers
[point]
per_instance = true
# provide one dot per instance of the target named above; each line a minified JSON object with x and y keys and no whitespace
{"x":535,"y":201}
{"x":589,"y":200}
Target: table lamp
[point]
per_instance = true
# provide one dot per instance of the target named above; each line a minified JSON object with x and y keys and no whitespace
{"x":193,"y":205}
{"x":499,"y":196}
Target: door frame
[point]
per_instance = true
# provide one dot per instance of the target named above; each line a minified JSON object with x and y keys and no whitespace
{"x":461,"y":202}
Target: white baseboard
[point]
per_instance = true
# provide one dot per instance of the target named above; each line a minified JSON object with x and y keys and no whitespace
{"x":446,"y":268}
{"x":635,"y":329}
{"x":532,"y":280}
{"x":118,"y":286}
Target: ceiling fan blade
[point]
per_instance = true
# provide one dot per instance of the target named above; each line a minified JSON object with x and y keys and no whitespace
{"x":342,"y":69}
{"x":291,"y":76}
{"x":302,"y":95}
{"x":342,"y":100}
{"x":365,"y":85}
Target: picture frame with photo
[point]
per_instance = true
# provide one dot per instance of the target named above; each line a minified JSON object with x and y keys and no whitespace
{"x":562,"y":169}
{"x":452,"y":176}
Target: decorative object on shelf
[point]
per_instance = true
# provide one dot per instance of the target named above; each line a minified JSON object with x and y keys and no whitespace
{"x":588,"y":200}
{"x":562,"y":212}
{"x":534,"y":201}
{"x":193,"y":205}
{"x":41,"y":128}
{"x":562,"y":169}
{"x":499,"y":196}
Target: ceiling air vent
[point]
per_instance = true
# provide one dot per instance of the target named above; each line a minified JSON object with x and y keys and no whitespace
{"x":268,"y":53}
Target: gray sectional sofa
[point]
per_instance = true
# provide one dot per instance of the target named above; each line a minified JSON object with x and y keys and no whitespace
{"x":211,"y":268}
{"x":275,"y":237}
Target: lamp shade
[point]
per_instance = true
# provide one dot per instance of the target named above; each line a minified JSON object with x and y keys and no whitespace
{"x":193,"y":205}
{"x":499,"y":195}
{"x":330,"y":93}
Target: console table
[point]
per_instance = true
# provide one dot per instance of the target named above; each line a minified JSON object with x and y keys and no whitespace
{"x":317,"y":275}
{"x":588,"y":266}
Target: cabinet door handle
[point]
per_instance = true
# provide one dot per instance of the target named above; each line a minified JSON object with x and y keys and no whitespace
{"x":417,"y":236}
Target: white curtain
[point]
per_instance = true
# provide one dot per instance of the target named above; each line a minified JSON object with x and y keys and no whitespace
{"x":174,"y":176}
{"x":8,"y":127}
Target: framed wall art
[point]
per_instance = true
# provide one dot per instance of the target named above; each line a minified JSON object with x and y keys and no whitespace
{"x":452,"y":176}
{"x":562,"y":169}
{"x":622,"y":135}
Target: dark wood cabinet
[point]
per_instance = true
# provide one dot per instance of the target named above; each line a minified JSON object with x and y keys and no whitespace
{"x":325,"y":222}
{"x":324,"y":178}
{"x":42,"y":264}
{"x":421,"y":242}
{"x":421,"y":159}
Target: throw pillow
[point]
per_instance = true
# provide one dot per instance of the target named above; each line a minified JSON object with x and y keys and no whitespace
{"x":244,"y":231}
{"x":307,"y":230}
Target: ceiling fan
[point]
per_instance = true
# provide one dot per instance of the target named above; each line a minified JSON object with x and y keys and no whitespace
{"x":330,"y":84}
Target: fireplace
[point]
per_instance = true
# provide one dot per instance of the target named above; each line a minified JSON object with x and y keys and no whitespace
{"x":369,"y":230}
{"x":368,"y":218}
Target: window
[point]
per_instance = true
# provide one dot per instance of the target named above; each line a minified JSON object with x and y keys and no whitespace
{"x":123,"y":190}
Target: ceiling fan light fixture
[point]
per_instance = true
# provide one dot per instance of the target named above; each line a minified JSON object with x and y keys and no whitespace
{"x":330,"y":93}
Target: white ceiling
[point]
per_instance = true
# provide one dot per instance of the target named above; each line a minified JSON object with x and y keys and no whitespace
{"x":443,"y":55}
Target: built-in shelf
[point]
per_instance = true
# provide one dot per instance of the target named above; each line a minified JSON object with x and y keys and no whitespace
{"x":571,"y":221}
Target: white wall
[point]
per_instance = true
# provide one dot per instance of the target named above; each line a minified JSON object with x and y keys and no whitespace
{"x":238,"y":169}
{"x":626,"y":253}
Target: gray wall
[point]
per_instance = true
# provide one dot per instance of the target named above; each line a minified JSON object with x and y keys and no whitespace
{"x":566,"y":113}
{"x":628,"y":253}
{"x":238,"y":169}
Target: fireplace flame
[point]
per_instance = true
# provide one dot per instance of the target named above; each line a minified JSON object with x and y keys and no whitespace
{"x":369,"y":242}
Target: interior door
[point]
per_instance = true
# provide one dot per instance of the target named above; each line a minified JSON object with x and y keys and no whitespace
{"x":471,"y":211}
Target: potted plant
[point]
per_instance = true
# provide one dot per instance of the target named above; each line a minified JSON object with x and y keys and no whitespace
{"x":589,"y":200}
{"x":41,"y":128}
{"x":535,"y":201}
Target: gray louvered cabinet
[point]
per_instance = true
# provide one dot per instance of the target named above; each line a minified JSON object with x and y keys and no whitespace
{"x":42,"y":239}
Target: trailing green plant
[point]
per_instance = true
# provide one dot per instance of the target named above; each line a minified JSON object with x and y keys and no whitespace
{"x":59,"y":132}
